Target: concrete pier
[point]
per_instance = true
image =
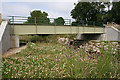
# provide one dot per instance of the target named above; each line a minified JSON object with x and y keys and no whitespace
{"x":14,"y":41}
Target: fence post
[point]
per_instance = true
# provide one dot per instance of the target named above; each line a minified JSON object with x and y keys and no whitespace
{"x":70,"y":21}
{"x":13,"y":19}
{"x":82,"y":23}
{"x":70,"y":26}
{"x":93,"y":23}
{"x":35,"y":20}
{"x":83,"y":26}
{"x":94,"y":26}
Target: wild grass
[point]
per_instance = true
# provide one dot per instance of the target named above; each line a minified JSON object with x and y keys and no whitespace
{"x":51,"y":60}
{"x":44,"y":38}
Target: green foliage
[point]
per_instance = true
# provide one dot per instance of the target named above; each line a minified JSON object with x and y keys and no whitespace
{"x":107,"y":64}
{"x":36,"y":38}
{"x":50,"y":60}
{"x":89,"y":11}
{"x":43,"y":38}
{"x":97,"y":12}
{"x":59,"y":21}
{"x":38,"y":17}
{"x":115,"y":13}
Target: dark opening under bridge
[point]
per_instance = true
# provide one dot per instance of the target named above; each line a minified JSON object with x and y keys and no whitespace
{"x":19,"y":26}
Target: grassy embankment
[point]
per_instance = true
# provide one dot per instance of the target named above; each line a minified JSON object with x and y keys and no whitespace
{"x":52,"y":60}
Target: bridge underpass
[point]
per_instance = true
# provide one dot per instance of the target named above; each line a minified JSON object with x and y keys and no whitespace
{"x":87,"y":33}
{"x":22,"y":29}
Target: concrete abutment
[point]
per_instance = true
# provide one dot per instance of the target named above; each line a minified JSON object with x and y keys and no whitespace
{"x":14,"y":41}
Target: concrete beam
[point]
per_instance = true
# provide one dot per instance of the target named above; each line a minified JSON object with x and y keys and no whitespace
{"x":41,"y":29}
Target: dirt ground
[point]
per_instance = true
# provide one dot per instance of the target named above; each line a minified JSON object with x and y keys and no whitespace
{"x":12,"y":51}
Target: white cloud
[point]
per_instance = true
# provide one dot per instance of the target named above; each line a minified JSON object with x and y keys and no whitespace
{"x":61,"y":6}
{"x":54,"y":9}
{"x":60,"y":9}
{"x":0,"y":6}
{"x":56,"y":0}
{"x":15,"y":9}
{"x":39,"y":0}
{"x":57,"y":14}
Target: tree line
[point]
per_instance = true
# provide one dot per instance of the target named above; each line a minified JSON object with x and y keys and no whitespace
{"x":97,"y":12}
{"x":38,"y":17}
{"x":83,"y":12}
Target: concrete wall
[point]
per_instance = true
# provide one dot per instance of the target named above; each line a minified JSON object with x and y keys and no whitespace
{"x":89,"y":36}
{"x":4,"y":37}
{"x":112,"y":34}
{"x":0,"y":18}
{"x":14,"y":41}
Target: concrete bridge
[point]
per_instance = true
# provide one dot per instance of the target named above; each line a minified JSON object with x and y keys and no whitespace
{"x":9,"y":32}
{"x":18,"y":29}
{"x":21,"y":25}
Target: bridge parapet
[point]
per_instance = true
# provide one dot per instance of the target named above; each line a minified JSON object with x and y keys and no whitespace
{"x":25,"y":25}
{"x":50,"y":21}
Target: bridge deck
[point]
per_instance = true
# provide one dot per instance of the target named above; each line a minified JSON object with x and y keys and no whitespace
{"x":39,"y":29}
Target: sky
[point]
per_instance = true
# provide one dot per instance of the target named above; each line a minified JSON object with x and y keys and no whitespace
{"x":54,"y":8}
{"x":59,"y":8}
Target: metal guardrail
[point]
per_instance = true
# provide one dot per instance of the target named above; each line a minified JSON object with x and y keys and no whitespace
{"x":50,"y":21}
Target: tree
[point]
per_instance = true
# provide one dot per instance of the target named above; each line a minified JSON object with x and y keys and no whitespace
{"x":115,"y":12}
{"x":38,"y":17}
{"x":89,"y":11}
{"x":59,"y":21}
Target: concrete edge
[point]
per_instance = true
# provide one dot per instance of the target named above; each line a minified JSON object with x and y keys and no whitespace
{"x":114,"y":28}
{"x":2,"y":28}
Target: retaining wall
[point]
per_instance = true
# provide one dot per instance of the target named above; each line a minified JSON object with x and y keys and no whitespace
{"x":4,"y":37}
{"x":112,"y":34}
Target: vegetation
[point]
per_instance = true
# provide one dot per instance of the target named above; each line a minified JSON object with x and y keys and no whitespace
{"x":44,"y":38}
{"x":96,"y":12}
{"x":50,"y":60}
{"x":38,"y":17}
{"x":59,"y":21}
{"x":114,"y":13}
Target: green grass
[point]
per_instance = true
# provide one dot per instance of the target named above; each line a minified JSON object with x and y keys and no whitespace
{"x":44,"y":38}
{"x":51,"y":60}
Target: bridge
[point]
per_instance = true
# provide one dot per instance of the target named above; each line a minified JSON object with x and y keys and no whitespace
{"x":10,"y":31}
{"x":19,"y":26}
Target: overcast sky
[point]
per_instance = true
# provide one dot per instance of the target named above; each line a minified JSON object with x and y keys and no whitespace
{"x":54,"y":8}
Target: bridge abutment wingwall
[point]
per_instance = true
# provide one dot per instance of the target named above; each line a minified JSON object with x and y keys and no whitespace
{"x":112,"y":34}
{"x":4,"y":37}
